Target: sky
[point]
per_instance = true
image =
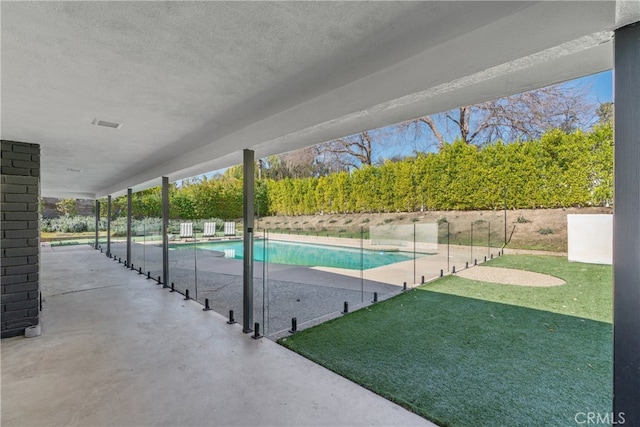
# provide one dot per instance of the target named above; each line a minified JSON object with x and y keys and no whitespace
{"x":600,"y":87}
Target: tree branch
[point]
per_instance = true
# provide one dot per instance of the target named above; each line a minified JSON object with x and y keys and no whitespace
{"x":429,"y":122}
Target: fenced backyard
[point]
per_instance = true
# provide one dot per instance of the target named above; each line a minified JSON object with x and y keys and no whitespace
{"x":467,"y":353}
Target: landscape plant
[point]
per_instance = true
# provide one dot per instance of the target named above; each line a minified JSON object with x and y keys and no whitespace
{"x":558,"y":170}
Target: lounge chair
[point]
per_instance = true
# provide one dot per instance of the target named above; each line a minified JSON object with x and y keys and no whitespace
{"x":186,"y":230}
{"x":229,"y":228}
{"x":209,"y":229}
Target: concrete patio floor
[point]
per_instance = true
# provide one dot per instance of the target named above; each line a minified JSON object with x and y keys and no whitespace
{"x":116,"y":350}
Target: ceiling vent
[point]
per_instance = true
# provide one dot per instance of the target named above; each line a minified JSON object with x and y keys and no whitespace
{"x":106,"y":124}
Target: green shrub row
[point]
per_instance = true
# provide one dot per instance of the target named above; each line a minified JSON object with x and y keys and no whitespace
{"x":68,"y":224}
{"x":559,"y":170}
{"x":204,"y":199}
{"x":80,"y":224}
{"x":140,"y":227}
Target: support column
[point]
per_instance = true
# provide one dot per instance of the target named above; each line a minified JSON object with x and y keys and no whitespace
{"x":129,"y":211}
{"x":247,"y":215}
{"x":97,"y":224}
{"x":108,"y":226}
{"x":626,"y":227}
{"x":19,"y":237}
{"x":165,"y":230}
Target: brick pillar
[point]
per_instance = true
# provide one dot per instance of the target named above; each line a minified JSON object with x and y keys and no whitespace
{"x":20,"y":236}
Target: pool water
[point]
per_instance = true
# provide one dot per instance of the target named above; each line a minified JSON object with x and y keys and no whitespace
{"x":305,"y":254}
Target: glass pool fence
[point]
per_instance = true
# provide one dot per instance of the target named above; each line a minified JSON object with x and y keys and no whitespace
{"x":303,"y":276}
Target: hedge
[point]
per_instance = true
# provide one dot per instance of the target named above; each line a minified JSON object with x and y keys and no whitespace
{"x":559,"y":170}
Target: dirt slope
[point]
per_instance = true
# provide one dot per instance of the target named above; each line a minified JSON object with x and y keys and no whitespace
{"x":541,"y":229}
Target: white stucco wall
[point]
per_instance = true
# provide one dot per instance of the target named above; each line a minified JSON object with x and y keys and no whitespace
{"x":590,"y":238}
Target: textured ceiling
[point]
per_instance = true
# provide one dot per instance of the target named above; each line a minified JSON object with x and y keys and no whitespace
{"x":193,"y":83}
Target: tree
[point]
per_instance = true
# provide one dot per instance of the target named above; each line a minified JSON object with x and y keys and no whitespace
{"x":605,"y":113}
{"x":303,"y":163}
{"x":181,"y":205}
{"x":523,"y":116}
{"x":147,"y":203}
{"x":359,"y":150}
{"x":353,"y":151}
{"x":67,"y":207}
{"x":343,"y":154}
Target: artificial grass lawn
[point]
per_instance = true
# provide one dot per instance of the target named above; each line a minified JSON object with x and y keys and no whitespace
{"x":588,"y":292}
{"x":464,"y":361}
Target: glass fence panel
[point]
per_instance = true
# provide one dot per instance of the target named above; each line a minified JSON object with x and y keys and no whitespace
{"x":119,"y":243}
{"x":218,"y":260}
{"x":102,"y":235}
{"x":109,"y":242}
{"x":153,"y":250}
{"x":481,"y":240}
{"x":138,"y":246}
{"x":470,"y":242}
{"x":113,"y":241}
{"x":428,"y":252}
{"x":397,"y":243}
{"x":387,"y":260}
{"x":182,"y":256}
{"x":306,"y":273}
{"x":205,"y":261}
{"x":455,"y":238}
{"x":315,"y":273}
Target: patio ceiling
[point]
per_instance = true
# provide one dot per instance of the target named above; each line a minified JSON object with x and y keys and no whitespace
{"x":193,"y":83}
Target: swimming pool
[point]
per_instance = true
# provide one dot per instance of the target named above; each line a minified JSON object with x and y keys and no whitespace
{"x":305,"y":254}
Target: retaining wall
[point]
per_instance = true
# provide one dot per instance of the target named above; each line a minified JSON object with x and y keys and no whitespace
{"x":590,"y":238}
